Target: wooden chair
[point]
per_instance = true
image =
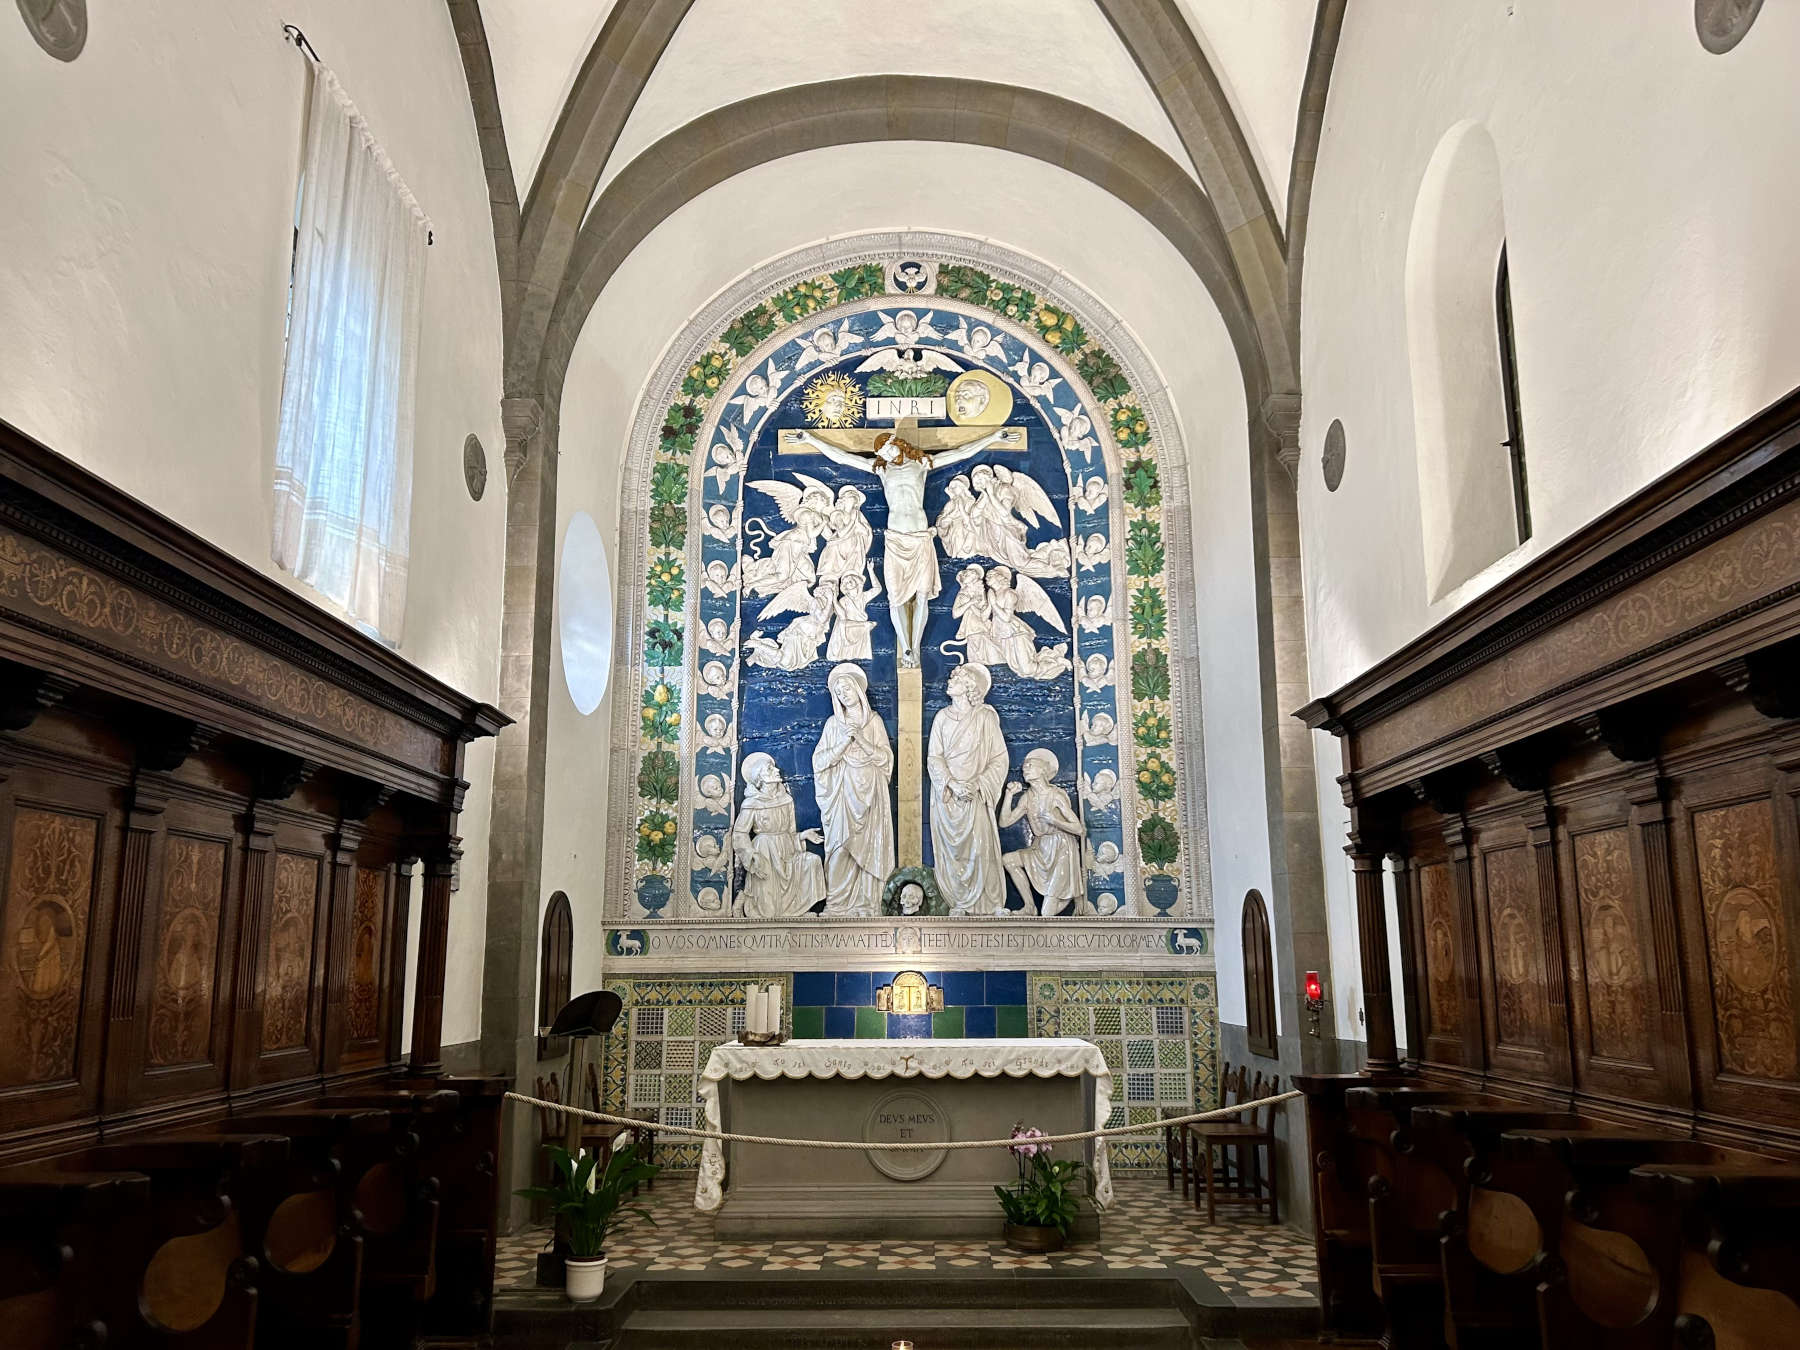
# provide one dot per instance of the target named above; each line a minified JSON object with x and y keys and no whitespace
{"x":1177,"y":1139}
{"x":603,"y":1136}
{"x":1246,"y":1135}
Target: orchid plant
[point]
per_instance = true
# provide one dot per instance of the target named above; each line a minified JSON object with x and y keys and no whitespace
{"x":1047,"y":1194}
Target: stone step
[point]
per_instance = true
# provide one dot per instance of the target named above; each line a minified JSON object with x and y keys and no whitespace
{"x":924,"y":1289}
{"x":876,"y":1327}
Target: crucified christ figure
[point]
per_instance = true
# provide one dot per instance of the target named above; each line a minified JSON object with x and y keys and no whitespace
{"x":911,"y":567}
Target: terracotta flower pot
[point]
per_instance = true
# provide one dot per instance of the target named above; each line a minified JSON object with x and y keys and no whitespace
{"x":1025,"y":1237}
{"x":585,"y":1279}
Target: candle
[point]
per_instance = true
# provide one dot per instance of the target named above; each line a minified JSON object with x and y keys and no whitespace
{"x":773,"y":1011}
{"x":753,"y":1011}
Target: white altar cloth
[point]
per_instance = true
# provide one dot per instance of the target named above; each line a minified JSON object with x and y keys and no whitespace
{"x":1049,"y":1057}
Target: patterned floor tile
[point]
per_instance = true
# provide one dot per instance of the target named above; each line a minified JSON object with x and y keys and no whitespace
{"x":1149,"y":1227}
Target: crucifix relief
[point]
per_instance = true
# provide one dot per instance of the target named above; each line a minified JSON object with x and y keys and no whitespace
{"x":900,"y":464}
{"x":900,"y":460}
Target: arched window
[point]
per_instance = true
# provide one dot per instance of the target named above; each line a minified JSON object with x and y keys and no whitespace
{"x":1259,"y":978}
{"x":1509,"y":389}
{"x":1466,"y":434}
{"x":558,"y":954}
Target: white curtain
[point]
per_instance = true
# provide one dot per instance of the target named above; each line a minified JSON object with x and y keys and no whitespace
{"x":343,"y":464}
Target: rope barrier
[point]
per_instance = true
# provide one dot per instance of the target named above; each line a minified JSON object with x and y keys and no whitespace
{"x":900,"y":1146}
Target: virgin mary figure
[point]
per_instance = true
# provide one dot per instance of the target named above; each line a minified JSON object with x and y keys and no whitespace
{"x":967,"y":762}
{"x":851,"y":767}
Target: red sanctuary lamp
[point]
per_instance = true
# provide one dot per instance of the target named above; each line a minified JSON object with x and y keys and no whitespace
{"x":1315,"y":999}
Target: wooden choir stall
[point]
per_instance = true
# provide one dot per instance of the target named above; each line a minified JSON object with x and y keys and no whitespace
{"x":1578,"y":801}
{"x":218,"y":809}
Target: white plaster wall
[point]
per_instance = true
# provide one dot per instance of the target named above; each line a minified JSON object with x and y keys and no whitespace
{"x":144,"y":251}
{"x":1258,"y":50}
{"x":1648,"y":193}
{"x":726,"y":50}
{"x":1649,"y":198}
{"x":1103,"y":245}
{"x":537,"y":46}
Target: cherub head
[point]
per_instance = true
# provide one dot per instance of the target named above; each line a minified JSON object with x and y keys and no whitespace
{"x":715,"y":725}
{"x":719,"y":631}
{"x":1040,"y":372}
{"x":1095,"y":666}
{"x":719,"y":516}
{"x":980,"y":336}
{"x":906,"y":323}
{"x":1079,"y":425}
{"x":756,"y":386}
{"x":724,"y":456}
{"x":717,"y":572}
{"x":1095,"y":606}
{"x":825,"y":343}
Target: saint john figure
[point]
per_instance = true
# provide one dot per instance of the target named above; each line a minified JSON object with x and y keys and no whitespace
{"x":967,"y":762}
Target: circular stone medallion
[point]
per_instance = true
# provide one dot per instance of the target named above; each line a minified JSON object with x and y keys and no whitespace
{"x":906,"y":1116}
{"x":1722,"y":24}
{"x":474,"y":467}
{"x":1332,"y":458}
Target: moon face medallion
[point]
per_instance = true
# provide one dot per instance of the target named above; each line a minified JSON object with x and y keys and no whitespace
{"x":906,"y":1116}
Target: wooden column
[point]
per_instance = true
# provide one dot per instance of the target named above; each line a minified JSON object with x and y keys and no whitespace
{"x":141,"y":864}
{"x":1377,"y":979}
{"x":253,"y":938}
{"x":1650,"y":817}
{"x":434,"y":932}
{"x":1540,"y":833}
{"x":1460,"y":842}
{"x":340,"y":861}
{"x":1412,"y":960}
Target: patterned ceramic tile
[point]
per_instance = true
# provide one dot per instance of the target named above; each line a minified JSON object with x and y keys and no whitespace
{"x":1149,"y":1227}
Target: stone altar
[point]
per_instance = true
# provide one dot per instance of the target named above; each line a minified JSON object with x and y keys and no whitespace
{"x":890,"y":1089}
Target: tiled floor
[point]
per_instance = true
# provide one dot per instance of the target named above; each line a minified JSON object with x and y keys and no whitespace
{"x":1149,"y":1228}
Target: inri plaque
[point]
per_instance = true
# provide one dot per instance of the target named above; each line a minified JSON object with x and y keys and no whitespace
{"x":906,"y":1116}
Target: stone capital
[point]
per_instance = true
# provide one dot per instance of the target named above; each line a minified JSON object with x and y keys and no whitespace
{"x":520,"y":419}
{"x":1281,"y":414}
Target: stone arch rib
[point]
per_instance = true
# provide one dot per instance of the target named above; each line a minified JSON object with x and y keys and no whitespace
{"x":739,"y":136}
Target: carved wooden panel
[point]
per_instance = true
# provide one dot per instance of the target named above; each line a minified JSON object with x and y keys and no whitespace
{"x":1516,"y":939}
{"x":1747,"y":939}
{"x":1437,"y":903}
{"x":290,"y":951}
{"x":1619,"y":997}
{"x":49,"y":892}
{"x":186,"y":951}
{"x":365,"y":954}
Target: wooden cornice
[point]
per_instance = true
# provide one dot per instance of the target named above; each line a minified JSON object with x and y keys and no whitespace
{"x":111,"y":549}
{"x":1746,"y":474}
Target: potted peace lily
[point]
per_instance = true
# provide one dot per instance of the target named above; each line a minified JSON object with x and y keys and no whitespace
{"x":587,"y":1200}
{"x":1042,"y":1208}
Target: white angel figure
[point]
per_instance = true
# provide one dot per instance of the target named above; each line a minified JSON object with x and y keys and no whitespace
{"x":1076,"y":435}
{"x":1007,"y":505}
{"x":980,"y":343}
{"x":1091,"y":496}
{"x":715,"y":732}
{"x":1101,"y":790}
{"x":1105,"y":859}
{"x":956,"y":527}
{"x":719,"y":578}
{"x":1095,"y":552}
{"x":1013,"y":636}
{"x":716,"y":636}
{"x":721,"y":522}
{"x":806,"y":507}
{"x":728,"y":458}
{"x":905,"y":328}
{"x":848,"y":537}
{"x":1095,"y":614}
{"x":712,"y":789}
{"x":798,"y":643}
{"x":761,"y":392}
{"x":1097,"y":673}
{"x":1035,"y":379}
{"x":974,"y":618}
{"x":1095,"y":728}
{"x":852,"y":636}
{"x":825,"y":345}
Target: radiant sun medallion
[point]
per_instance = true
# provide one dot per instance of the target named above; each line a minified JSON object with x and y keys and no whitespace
{"x":833,"y":400}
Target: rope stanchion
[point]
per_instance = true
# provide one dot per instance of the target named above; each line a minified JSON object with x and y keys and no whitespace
{"x":901,"y":1146}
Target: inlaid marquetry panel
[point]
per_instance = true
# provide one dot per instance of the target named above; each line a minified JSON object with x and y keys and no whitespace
{"x":49,"y":889}
{"x":1747,"y":939}
{"x":1438,"y":903}
{"x":290,"y":954}
{"x":187,"y":943}
{"x":1618,"y":993}
{"x":365,"y":953}
{"x":1515,"y":936}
